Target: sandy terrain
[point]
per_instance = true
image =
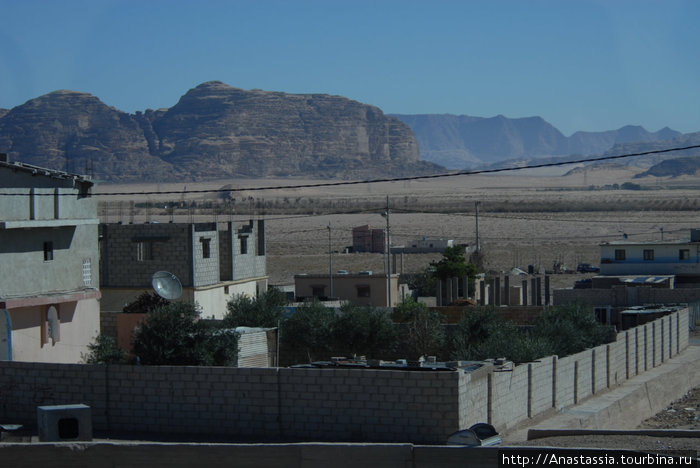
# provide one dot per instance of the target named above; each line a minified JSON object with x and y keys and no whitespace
{"x":523,"y":220}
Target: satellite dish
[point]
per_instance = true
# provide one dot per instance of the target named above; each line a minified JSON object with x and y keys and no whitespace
{"x":166,"y":285}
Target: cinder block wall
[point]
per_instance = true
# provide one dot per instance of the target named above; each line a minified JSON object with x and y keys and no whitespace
{"x":508,"y":397}
{"x":332,"y":404}
{"x":291,"y":404}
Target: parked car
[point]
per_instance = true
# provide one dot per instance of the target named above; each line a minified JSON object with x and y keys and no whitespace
{"x":587,"y":268}
{"x":583,"y":284}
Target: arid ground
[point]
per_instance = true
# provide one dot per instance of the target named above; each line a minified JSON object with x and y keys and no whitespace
{"x":526,"y":219}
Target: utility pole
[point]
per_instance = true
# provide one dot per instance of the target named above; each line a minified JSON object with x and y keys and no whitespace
{"x":330,"y":260}
{"x":388,"y":254}
{"x":476,"y":208}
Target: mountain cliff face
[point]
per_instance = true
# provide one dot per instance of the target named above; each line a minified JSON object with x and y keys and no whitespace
{"x":214,"y":131}
{"x":459,"y":141}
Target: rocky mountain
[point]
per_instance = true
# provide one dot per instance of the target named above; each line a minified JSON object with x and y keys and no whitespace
{"x":214,"y":131}
{"x":461,"y":141}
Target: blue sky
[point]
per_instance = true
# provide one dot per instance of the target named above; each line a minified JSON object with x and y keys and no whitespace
{"x":581,"y":65}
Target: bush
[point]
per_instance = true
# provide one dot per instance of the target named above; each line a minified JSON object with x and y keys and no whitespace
{"x":306,"y":335}
{"x":145,"y":303}
{"x":363,"y":330}
{"x":174,"y":335}
{"x":104,"y":350}
{"x":422,"y":332}
{"x":265,"y":310}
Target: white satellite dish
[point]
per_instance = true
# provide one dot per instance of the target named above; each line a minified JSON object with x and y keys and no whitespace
{"x":166,"y":285}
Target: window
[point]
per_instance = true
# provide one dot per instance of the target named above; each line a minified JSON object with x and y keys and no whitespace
{"x":244,"y":244}
{"x":206,"y":247}
{"x":684,"y":254}
{"x":363,"y":291}
{"x":144,"y":251}
{"x":48,"y":251}
{"x":87,"y":272}
{"x":648,"y":254}
{"x":620,"y":254}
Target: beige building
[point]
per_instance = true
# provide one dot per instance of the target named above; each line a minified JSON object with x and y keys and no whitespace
{"x":49,"y":309}
{"x":361,"y":288}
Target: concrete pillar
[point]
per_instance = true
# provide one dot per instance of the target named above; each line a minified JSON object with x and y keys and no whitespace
{"x":506,"y":289}
{"x":525,"y":295}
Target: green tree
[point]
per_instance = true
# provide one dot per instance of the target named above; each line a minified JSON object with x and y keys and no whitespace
{"x":570,"y":329}
{"x":422,"y":332}
{"x":174,"y":335}
{"x":104,"y":350}
{"x":145,"y":303}
{"x":364,"y":330}
{"x":265,"y":310}
{"x":453,"y":264}
{"x":307,"y":334}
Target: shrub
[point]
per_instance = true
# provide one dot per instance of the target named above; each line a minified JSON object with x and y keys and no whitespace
{"x":306,"y":335}
{"x":364,"y":330}
{"x":174,"y":335}
{"x":104,"y":350}
{"x":265,"y":310}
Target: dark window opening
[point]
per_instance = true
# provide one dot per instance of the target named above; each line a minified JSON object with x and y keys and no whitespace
{"x":48,"y":251}
{"x":648,"y":254}
{"x":244,"y":244}
{"x":363,"y":291}
{"x":620,"y":254}
{"x":684,"y":254}
{"x":206,"y":247}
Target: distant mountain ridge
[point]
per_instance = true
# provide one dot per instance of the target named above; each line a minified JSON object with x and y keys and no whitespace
{"x":461,"y":141}
{"x":214,"y":131}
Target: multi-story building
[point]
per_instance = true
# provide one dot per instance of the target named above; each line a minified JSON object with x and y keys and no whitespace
{"x":213,"y":261}
{"x":49,"y":309}
{"x":635,"y":273}
{"x":680,"y":258}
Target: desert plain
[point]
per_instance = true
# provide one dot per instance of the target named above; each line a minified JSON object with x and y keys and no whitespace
{"x":533,"y":217}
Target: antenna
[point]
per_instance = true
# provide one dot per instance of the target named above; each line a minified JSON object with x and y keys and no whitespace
{"x":166,"y":285}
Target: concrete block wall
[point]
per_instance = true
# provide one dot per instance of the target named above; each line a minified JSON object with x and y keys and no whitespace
{"x":533,"y":388}
{"x":171,"y":251}
{"x":541,"y":388}
{"x":205,"y":270}
{"x":306,"y":404}
{"x":510,"y":397}
{"x":326,"y":404}
{"x":380,"y":405}
{"x":474,"y":398}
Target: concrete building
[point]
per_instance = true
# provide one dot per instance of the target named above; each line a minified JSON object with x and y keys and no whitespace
{"x":680,"y":258}
{"x":214,"y":262}
{"x":634,"y":273}
{"x":49,"y":309}
{"x":363,"y":288}
{"x":366,"y":239}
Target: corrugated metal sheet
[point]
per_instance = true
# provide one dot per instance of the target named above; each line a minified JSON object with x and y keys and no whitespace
{"x":252,"y":349}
